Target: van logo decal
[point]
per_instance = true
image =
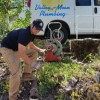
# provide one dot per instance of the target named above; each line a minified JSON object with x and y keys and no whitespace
{"x":58,"y":10}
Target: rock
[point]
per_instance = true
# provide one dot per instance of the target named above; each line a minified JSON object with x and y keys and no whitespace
{"x":80,"y":48}
{"x":93,"y":92}
{"x":73,"y":82}
{"x":33,"y":93}
{"x":97,"y":77}
{"x":68,"y":89}
{"x":1,"y":72}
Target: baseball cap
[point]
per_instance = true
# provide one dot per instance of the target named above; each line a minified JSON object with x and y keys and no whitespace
{"x":38,"y":23}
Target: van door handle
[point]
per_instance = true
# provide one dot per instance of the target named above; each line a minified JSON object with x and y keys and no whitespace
{"x":95,"y":10}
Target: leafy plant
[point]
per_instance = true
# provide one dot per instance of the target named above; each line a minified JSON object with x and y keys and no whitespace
{"x":88,"y":57}
{"x":21,"y":22}
{"x":8,"y":11}
{"x":55,"y":74}
{"x":4,"y":86}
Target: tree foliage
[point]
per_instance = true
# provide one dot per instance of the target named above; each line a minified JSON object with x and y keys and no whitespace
{"x":21,"y":22}
{"x":9,"y":9}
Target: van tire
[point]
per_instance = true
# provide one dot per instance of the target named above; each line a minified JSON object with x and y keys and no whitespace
{"x":63,"y":33}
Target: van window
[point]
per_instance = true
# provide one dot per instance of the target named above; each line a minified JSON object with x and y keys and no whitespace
{"x":83,"y":2}
{"x":97,"y":2}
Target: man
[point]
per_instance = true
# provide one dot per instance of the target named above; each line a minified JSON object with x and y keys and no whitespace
{"x":13,"y":47}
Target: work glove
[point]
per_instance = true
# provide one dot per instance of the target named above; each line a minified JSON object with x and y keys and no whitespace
{"x":36,"y":65}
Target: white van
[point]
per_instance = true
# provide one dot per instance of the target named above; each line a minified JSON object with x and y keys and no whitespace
{"x":78,"y":17}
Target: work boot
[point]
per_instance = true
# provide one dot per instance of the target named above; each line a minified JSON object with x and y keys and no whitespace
{"x":27,"y":76}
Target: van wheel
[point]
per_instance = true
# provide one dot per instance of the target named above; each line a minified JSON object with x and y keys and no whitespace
{"x":63,"y":33}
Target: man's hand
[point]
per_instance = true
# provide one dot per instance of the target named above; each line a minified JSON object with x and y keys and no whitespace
{"x":42,"y":51}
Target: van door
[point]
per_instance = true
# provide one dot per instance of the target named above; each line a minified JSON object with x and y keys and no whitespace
{"x":97,"y":16}
{"x":84,"y":16}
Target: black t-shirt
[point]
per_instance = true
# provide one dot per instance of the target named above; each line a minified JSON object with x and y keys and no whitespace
{"x":22,"y":36}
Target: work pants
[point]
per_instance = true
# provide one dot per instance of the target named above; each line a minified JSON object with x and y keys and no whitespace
{"x":13,"y":62}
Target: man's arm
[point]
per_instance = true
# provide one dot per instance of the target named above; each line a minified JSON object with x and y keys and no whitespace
{"x":32,"y":45}
{"x":23,"y":55}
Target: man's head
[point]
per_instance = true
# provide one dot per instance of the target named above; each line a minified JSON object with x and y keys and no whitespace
{"x":37,"y":26}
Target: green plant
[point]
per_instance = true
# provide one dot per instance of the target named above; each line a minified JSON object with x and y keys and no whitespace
{"x":4,"y":86}
{"x":8,"y":11}
{"x":21,"y":22}
{"x":55,"y":74}
{"x":88,"y":57}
